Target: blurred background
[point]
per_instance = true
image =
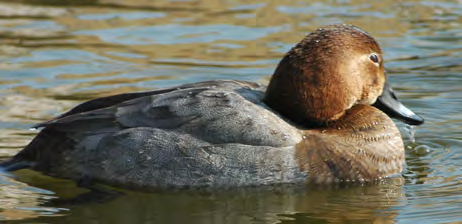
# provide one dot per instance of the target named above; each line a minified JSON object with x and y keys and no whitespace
{"x":55,"y":54}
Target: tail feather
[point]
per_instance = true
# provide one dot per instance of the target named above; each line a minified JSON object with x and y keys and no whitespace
{"x":43,"y":153}
{"x":13,"y":164}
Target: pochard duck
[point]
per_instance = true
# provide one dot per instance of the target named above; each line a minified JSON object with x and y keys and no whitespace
{"x":324,"y":118}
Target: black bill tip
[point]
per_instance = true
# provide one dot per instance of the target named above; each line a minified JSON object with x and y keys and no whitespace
{"x":389,"y":104}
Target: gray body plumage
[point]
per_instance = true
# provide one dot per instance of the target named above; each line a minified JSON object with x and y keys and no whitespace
{"x":207,"y":134}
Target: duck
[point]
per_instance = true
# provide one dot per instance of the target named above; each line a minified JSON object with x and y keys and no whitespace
{"x":326,"y":117}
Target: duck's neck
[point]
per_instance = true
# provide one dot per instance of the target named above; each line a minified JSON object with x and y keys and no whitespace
{"x":304,"y":99}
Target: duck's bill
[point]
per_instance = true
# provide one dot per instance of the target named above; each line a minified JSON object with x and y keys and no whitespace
{"x":389,"y":104}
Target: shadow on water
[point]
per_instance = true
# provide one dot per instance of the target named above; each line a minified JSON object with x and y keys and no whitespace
{"x":283,"y":204}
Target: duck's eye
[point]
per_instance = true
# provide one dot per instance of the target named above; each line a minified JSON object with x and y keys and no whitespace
{"x":374,"y":58}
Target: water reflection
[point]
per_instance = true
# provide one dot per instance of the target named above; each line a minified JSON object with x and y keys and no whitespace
{"x":257,"y":205}
{"x":21,"y":201}
{"x":55,"y":54}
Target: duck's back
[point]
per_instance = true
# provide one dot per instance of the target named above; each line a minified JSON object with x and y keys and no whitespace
{"x":216,"y":133}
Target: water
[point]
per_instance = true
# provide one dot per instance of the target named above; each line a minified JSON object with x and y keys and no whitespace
{"x":55,"y":54}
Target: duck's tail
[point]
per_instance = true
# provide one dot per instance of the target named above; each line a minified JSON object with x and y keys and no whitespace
{"x":14,"y":164}
{"x":25,"y":158}
{"x":40,"y":153}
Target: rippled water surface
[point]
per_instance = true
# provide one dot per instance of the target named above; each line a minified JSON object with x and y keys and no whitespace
{"x":55,"y":54}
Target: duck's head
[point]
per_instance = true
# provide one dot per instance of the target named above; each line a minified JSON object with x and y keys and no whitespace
{"x":331,"y":70}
